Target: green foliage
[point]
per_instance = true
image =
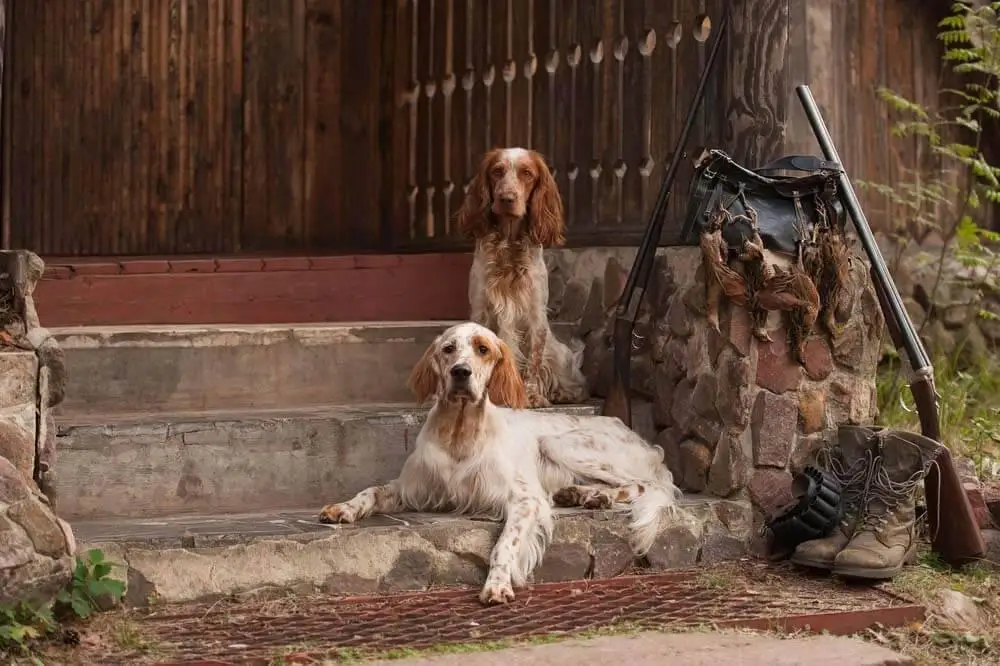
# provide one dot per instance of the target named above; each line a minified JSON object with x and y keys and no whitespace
{"x":947,"y":193}
{"x":22,"y":625}
{"x":968,"y":407}
{"x":89,"y":586}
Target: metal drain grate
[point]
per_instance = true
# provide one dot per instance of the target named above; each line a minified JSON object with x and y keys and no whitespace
{"x":245,"y":632}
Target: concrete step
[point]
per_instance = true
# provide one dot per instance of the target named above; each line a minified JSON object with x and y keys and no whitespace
{"x":157,"y":464}
{"x":185,"y":558}
{"x":126,"y":369}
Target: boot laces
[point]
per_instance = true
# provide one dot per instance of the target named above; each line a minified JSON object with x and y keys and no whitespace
{"x":852,"y":479}
{"x":884,"y":495}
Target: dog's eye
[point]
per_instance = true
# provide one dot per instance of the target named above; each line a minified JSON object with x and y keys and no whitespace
{"x":527,"y":175}
{"x":448,"y":348}
{"x":484,"y":350}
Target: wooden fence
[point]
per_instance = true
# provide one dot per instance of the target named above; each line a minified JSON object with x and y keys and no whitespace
{"x":152,"y":127}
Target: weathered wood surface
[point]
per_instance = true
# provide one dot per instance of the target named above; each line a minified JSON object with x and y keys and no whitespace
{"x":141,"y":127}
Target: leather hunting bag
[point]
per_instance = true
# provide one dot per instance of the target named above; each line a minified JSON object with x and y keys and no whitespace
{"x":787,"y":208}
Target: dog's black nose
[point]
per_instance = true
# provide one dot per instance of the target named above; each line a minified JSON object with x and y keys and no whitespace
{"x":461,"y":372}
{"x":507,"y":197}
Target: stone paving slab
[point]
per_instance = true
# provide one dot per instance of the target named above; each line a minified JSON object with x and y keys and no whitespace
{"x":198,"y":557}
{"x":688,"y":649}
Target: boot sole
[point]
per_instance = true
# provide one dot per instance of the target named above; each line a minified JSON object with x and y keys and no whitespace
{"x":876,"y":574}
{"x":811,"y":564}
{"x":867,"y":574}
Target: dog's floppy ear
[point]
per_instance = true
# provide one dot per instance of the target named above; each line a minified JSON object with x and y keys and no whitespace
{"x":546,"y":226}
{"x":505,"y":387}
{"x":474,"y":214}
{"x":424,"y":379}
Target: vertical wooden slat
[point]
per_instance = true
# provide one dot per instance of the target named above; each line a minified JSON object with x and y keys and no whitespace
{"x":520,"y":68}
{"x":569,"y":92}
{"x":187,"y":132}
{"x":272,"y":206}
{"x":660,"y":89}
{"x":325,"y":221}
{"x":235,"y":91}
{"x":33,"y":86}
{"x":53,"y":110}
{"x":359,"y":120}
{"x":5,"y":93}
{"x":125,"y":65}
{"x":632,"y":126}
{"x":439,"y":113}
{"x":871,"y":158}
{"x":583,"y":88}
{"x":402,"y":103}
{"x":460,"y":152}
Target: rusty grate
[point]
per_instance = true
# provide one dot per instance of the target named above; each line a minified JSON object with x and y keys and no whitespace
{"x":245,"y":632}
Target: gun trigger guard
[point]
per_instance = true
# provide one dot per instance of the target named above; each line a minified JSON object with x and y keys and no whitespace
{"x":902,"y":403}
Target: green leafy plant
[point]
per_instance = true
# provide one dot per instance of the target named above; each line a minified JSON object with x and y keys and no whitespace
{"x":20,"y":625}
{"x":90,"y":587}
{"x":946,"y":191}
{"x":90,"y":590}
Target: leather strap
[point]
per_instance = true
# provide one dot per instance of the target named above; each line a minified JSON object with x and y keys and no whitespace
{"x":807,"y":163}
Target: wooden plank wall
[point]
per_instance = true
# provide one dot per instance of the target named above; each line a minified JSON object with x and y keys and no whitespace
{"x":167,"y":127}
{"x":177,"y":127}
{"x":891,"y":43}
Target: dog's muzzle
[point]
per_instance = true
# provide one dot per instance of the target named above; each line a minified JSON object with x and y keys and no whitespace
{"x":460,"y":375}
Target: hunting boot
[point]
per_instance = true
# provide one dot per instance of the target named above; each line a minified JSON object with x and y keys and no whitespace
{"x":886,"y":533}
{"x":850,"y":462}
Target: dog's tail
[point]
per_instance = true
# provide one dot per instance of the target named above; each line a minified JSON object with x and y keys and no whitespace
{"x":654,"y":511}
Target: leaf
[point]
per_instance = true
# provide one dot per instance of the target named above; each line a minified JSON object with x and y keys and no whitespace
{"x":81,"y":607}
{"x":110,"y":586}
{"x":95,"y":555}
{"x":101,"y":570}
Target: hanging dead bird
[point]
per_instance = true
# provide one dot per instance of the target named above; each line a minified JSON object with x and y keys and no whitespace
{"x":793,"y":292}
{"x":758,"y":273}
{"x":719,"y":277}
{"x":826,"y":260}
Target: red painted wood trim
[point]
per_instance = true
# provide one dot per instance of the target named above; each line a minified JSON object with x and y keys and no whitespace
{"x":240,"y":290}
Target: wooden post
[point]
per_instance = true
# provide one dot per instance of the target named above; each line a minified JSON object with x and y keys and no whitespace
{"x":769,"y":54}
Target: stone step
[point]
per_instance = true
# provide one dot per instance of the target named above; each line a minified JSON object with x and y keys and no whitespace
{"x":146,"y":465}
{"x":174,"y":368}
{"x":125,"y":369}
{"x":185,"y":558}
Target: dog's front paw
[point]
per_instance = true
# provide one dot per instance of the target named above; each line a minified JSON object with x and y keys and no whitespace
{"x":496,"y":593}
{"x":337,"y":513}
{"x":536,"y":400}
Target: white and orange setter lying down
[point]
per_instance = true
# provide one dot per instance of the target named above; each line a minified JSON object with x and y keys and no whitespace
{"x":481,"y":452}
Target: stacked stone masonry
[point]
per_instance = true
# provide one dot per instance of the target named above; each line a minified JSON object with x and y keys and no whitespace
{"x":735,"y":417}
{"x":36,"y":547}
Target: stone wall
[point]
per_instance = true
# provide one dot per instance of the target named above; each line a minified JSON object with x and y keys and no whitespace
{"x":951,"y":308}
{"x":36,"y":547}
{"x":735,"y":417}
